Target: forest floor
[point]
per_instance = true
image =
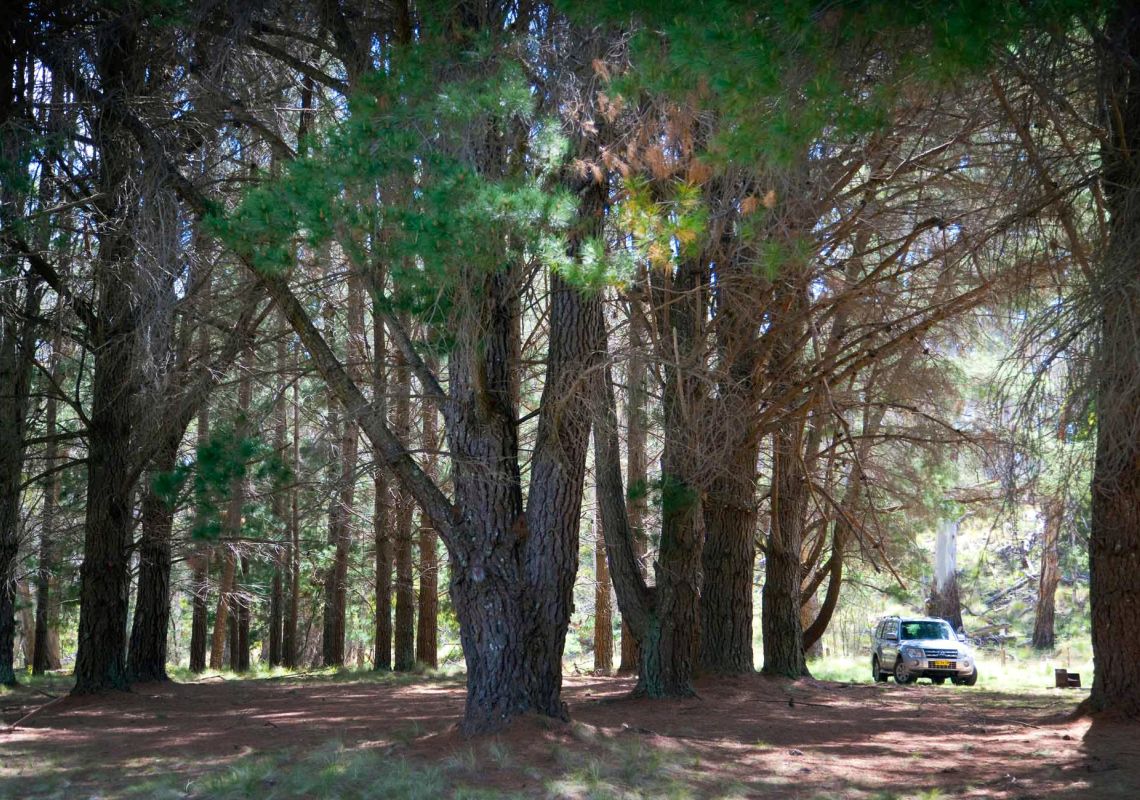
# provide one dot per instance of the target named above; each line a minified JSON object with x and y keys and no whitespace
{"x":357,"y":736}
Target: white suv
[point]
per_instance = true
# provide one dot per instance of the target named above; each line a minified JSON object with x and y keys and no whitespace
{"x":921,"y":647}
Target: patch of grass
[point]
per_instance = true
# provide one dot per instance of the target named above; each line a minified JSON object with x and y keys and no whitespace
{"x":322,"y":675}
{"x":333,"y":772}
{"x":500,"y":754}
{"x":464,"y":760}
{"x":1024,"y":669}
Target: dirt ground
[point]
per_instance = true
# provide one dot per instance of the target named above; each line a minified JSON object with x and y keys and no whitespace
{"x":742,"y":737}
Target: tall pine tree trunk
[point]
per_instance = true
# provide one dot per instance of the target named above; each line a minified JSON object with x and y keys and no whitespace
{"x":280,"y":516}
{"x":231,"y":528}
{"x":47,"y":557}
{"x":427,"y":617}
{"x":146,"y":658}
{"x":381,"y":517}
{"x":728,"y":558}
{"x":636,"y":467}
{"x":16,"y":357}
{"x":405,"y":630}
{"x":289,"y":642}
{"x":1114,"y":538}
{"x":781,"y":627}
{"x":100,"y":661}
{"x":200,"y":556}
{"x":603,"y":605}
{"x":1043,"y":633}
{"x":550,"y":527}
{"x":244,"y":617}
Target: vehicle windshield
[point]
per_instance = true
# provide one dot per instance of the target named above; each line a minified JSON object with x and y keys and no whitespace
{"x":926,"y":630}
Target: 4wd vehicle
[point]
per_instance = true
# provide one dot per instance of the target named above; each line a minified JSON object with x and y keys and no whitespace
{"x":921,"y":647}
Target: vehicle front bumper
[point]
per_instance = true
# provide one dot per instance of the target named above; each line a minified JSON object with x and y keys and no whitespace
{"x":936,"y":667}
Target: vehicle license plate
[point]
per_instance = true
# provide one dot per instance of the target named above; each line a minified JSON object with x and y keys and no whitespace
{"x":941,"y":664}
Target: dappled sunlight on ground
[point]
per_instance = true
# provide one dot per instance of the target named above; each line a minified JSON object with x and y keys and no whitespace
{"x":748,"y":736}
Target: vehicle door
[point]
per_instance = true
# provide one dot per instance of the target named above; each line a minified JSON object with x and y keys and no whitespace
{"x":890,"y":644}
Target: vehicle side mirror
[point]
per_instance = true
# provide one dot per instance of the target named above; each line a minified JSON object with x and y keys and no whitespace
{"x":961,"y":636}
{"x":892,"y":637}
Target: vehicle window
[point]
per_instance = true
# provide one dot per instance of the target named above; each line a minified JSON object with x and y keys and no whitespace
{"x":926,"y":630}
{"x":879,"y":630}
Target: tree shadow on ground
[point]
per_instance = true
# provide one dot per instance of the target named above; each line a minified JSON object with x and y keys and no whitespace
{"x":750,"y":736}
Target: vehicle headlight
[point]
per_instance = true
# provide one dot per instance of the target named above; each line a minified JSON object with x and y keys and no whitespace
{"x":913,"y":652}
{"x":964,"y":659}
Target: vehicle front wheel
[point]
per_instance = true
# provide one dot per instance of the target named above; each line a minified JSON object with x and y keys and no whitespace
{"x":902,"y":674}
{"x":969,"y":680}
{"x":876,"y":673}
{"x":938,"y":681}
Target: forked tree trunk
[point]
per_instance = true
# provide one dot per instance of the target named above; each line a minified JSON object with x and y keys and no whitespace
{"x":665,"y":619}
{"x":1043,"y":633}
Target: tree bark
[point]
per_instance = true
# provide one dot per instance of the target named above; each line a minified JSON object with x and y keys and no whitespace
{"x":603,"y":607}
{"x":200,"y":559}
{"x":335,"y":588}
{"x":405,"y":630}
{"x":553,"y":512}
{"x":146,"y":658}
{"x":100,"y":661}
{"x":289,"y":642}
{"x":280,"y":499}
{"x":47,"y":561}
{"x":1114,"y":538}
{"x":381,"y":532}
{"x":244,"y":614}
{"x":1043,"y":633}
{"x":730,"y":502}
{"x":15,"y":375}
{"x":427,"y":618}
{"x":636,"y":467}
{"x":15,"y":355}
{"x":231,"y":527}
{"x":781,"y":626}
{"x":222,"y":612}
